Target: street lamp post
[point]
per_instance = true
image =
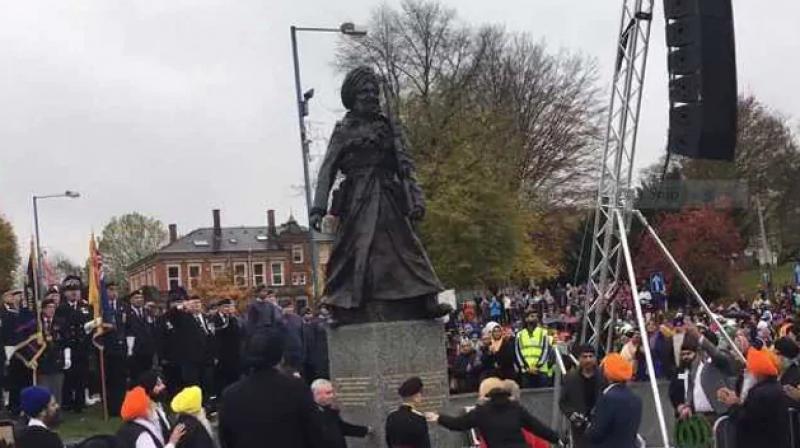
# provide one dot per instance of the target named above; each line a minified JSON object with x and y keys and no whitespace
{"x":66,"y":194}
{"x":347,"y":29}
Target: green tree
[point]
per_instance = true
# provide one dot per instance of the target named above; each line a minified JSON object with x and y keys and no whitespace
{"x":9,"y":255}
{"x":127,"y":239}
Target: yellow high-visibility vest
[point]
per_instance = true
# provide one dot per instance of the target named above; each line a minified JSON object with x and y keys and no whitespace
{"x":530,"y":347}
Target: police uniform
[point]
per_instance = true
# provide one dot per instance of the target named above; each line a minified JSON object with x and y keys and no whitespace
{"x":76,"y":316}
{"x":407,"y":427}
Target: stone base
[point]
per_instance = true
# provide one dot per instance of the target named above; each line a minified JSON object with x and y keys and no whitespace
{"x":368,"y":363}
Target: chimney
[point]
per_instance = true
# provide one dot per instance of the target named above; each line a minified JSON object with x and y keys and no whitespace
{"x":173,"y":233}
{"x":271,"y":230}
{"x":217,"y":241}
{"x":217,"y":227}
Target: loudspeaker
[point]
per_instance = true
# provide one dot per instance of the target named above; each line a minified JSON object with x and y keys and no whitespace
{"x":702,"y":68}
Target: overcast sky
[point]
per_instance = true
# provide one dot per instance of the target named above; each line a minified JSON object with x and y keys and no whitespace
{"x":172,"y":108}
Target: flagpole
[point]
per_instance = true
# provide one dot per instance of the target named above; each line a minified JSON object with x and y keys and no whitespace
{"x":37,"y":306}
{"x":103,"y":383}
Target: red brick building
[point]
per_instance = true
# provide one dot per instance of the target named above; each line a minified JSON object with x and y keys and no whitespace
{"x":278,"y":256}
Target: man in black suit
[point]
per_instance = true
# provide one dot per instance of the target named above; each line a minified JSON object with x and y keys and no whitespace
{"x":115,"y":318}
{"x":52,"y":363}
{"x":334,"y":429}
{"x":195,"y":341}
{"x":78,"y":317}
{"x":406,"y":427}
{"x":228,"y":334}
{"x":140,"y":336}
{"x":168,"y":347}
{"x":41,"y":408}
{"x":268,"y":407}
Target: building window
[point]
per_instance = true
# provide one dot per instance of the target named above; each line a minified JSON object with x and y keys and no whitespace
{"x":173,"y":276}
{"x":240,"y":274}
{"x":194,"y":275}
{"x":277,"y":273}
{"x":298,"y":278}
{"x":217,"y":270}
{"x":259,"y":274}
{"x":297,"y":253}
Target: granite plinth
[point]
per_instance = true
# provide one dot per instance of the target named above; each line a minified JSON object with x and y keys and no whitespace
{"x":368,"y":363}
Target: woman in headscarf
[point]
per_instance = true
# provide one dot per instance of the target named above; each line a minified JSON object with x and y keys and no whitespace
{"x":500,"y":421}
{"x":497,"y":352}
{"x":378,"y":269}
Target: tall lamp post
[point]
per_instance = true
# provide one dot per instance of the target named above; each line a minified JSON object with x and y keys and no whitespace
{"x":302,"y":98}
{"x":66,"y":194}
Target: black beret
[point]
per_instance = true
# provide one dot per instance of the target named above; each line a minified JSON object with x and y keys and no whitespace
{"x":410,"y":387}
{"x":53,"y":289}
{"x":224,"y":302}
{"x":46,"y":302}
{"x":787,"y":348}
{"x":72,"y":283}
{"x":137,"y":292}
{"x":111,"y":284}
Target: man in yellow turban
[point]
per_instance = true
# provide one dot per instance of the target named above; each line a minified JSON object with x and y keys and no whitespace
{"x":188,"y":406}
{"x":618,"y":412}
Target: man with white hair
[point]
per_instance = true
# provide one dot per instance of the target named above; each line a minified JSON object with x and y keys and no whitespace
{"x":334,"y":429}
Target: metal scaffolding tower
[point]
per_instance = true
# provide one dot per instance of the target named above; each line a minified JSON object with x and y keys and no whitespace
{"x":614,"y":191}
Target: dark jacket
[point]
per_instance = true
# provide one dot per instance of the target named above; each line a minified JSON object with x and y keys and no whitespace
{"x":196,"y":434}
{"x":720,"y":372}
{"x":334,"y":429}
{"x":38,"y":437}
{"x":288,"y":419}
{"x":113,"y":339}
{"x":55,"y":338}
{"x":502,"y":363}
{"x":616,"y":418}
{"x":500,"y":422}
{"x":142,"y":328}
{"x":791,"y":377}
{"x":315,"y":342}
{"x":195,"y":345}
{"x":407,"y":428}
{"x":573,"y":399}
{"x":763,"y":419}
{"x":77,"y":339}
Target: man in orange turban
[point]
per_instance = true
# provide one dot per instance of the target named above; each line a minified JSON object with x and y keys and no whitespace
{"x":141,"y":429}
{"x":618,"y":412}
{"x":762,"y":419}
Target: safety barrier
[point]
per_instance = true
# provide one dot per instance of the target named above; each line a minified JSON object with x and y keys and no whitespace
{"x":724,"y":433}
{"x":794,"y":427}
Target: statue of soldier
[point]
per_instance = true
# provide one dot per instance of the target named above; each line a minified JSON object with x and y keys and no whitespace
{"x":378,"y":269}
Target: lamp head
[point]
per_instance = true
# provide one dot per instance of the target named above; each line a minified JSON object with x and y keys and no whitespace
{"x":72,"y":194}
{"x":350,"y":29}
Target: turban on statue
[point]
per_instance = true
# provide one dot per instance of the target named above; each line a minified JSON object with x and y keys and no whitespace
{"x":353,"y":82}
{"x":617,"y":369}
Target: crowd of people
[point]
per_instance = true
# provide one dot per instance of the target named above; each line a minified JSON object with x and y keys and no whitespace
{"x":203,"y":374}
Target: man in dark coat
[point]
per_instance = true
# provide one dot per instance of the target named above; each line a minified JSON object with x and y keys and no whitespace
{"x":618,"y":413}
{"x":194,"y":339}
{"x":228,"y":334}
{"x":78,"y":316}
{"x":788,"y":351}
{"x":41,"y":409}
{"x":268,"y":407}
{"x":51,"y":365}
{"x":140,"y":336}
{"x":579,"y":393}
{"x":315,"y":342}
{"x":406,"y":427}
{"x":18,"y":323}
{"x":762,"y":419}
{"x":115,"y":318}
{"x":334,"y":429}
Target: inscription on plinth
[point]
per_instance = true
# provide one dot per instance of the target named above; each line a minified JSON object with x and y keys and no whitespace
{"x":370,"y":361}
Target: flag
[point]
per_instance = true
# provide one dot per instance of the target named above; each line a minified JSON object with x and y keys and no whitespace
{"x":98,"y":295}
{"x":30,"y":282}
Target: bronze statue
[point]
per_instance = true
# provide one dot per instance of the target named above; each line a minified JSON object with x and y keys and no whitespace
{"x":378,"y":269}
